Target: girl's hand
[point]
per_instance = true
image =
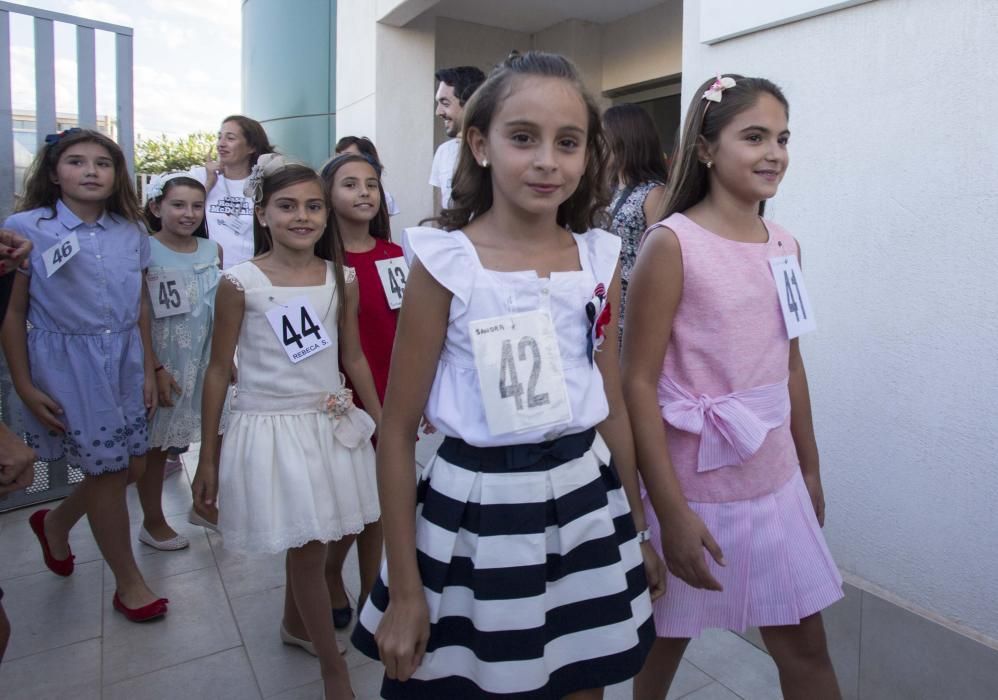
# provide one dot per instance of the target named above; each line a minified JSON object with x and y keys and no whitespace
{"x":14,"y":251}
{"x":17,"y":463}
{"x":44,"y":408}
{"x":149,"y":392}
{"x":204,"y":490}
{"x":166,"y":387}
{"x":427,"y":427}
{"x":683,"y":540}
{"x":813,"y":482}
{"x":402,"y":636}
{"x":655,"y":570}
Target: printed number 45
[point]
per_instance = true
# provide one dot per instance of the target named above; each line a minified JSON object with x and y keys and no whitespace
{"x":509,"y":383}
{"x":169,"y":295}
{"x":308,"y":327}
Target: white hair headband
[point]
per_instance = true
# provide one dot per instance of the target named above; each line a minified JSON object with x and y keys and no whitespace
{"x":266,"y":165}
{"x":158,"y":183}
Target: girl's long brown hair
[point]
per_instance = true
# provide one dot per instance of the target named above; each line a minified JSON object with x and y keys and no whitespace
{"x":40,"y":191}
{"x":328,"y":247}
{"x":689,"y":179}
{"x":472,"y":192}
{"x":635,"y":146}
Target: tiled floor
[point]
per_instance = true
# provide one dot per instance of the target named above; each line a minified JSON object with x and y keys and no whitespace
{"x":220,"y":639}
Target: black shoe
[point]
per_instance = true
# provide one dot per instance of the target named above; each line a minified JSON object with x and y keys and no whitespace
{"x":342,"y":617}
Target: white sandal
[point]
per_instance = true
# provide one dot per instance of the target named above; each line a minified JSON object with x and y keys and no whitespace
{"x":174,"y":543}
{"x":294,"y":641}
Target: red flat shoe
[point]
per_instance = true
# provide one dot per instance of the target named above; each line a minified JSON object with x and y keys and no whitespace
{"x":153,"y":610}
{"x":62,"y":567}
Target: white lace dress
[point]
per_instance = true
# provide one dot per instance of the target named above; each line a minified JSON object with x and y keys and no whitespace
{"x":297,"y":465}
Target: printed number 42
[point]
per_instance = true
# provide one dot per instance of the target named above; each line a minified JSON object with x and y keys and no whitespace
{"x":509,"y":383}
{"x":794,"y":304}
{"x":63,"y":251}
{"x":308,"y":327}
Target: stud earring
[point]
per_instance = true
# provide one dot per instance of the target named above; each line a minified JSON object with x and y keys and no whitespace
{"x":710,"y":164}
{"x":485,"y":162}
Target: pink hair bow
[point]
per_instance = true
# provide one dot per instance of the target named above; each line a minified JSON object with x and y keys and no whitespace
{"x":713,"y":93}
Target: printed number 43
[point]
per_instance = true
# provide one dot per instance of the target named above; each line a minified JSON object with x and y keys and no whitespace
{"x":509,"y":383}
{"x":396,"y":280}
{"x":308,"y":327}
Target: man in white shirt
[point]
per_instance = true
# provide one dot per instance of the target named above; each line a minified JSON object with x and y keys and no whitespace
{"x":455,"y":88}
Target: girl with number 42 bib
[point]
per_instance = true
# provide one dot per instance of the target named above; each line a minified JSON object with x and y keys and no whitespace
{"x":715,"y":307}
{"x":297,"y":466}
{"x":514,"y":566}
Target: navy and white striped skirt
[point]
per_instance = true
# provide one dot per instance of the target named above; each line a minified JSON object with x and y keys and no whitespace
{"x":532,"y":572}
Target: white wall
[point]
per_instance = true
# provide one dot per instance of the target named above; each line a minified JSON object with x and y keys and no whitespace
{"x":356,"y":59}
{"x":644,"y":46}
{"x":891,"y":192}
{"x":580,"y":41}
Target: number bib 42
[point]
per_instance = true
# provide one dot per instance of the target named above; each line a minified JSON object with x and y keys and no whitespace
{"x":168,"y":294}
{"x":61,"y":253}
{"x":299,"y":329}
{"x":393,"y":273}
{"x":794,"y":302}
{"x":519,"y":372}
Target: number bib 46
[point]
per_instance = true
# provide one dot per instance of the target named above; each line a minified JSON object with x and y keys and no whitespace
{"x":393,"y":273}
{"x":299,"y":329}
{"x":61,"y":253}
{"x":519,"y":372}
{"x":168,"y":294}
{"x":794,"y":302}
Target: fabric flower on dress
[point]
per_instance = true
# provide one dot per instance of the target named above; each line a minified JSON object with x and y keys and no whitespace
{"x":351,"y":426}
{"x":599,"y":313}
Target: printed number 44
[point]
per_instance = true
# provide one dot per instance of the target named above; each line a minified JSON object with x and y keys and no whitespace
{"x":308,"y":327}
{"x":509,"y":383}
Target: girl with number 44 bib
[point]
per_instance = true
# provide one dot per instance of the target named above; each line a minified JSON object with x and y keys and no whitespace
{"x":514,"y":566}
{"x":297,"y":465}
{"x":715,"y":306}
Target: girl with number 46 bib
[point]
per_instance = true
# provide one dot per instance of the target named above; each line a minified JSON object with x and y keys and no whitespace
{"x":514,"y":566}
{"x":297,"y":466}
{"x":715,"y":306}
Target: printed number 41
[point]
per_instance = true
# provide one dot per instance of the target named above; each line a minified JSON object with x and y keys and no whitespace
{"x":507,"y":370}
{"x":308,"y":327}
{"x":794,"y":303}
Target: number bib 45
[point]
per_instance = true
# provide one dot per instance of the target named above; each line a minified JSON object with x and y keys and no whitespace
{"x":299,"y":329}
{"x":519,"y":372}
{"x":168,"y":294}
{"x":794,"y":302}
{"x":393,"y":273}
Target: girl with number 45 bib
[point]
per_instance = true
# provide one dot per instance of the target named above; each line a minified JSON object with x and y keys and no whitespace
{"x":297,"y":465}
{"x":715,"y":306}
{"x":514,"y":566}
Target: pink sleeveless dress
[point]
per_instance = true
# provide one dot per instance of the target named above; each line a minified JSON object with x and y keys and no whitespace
{"x":726,"y":410}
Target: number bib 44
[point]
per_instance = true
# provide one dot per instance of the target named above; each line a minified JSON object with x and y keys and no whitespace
{"x":168,"y":294}
{"x":519,"y":372}
{"x":299,"y":329}
{"x":393,"y":273}
{"x":61,"y":253}
{"x":794,"y":302}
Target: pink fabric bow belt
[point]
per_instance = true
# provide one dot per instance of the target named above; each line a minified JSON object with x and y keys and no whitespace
{"x":731,"y":427}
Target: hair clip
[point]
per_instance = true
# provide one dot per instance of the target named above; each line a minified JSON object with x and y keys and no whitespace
{"x":55,"y":138}
{"x":713,"y":93}
{"x":158,"y":183}
{"x":267,"y":164}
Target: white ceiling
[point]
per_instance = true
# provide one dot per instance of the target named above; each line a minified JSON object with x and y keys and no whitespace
{"x":531,"y":16}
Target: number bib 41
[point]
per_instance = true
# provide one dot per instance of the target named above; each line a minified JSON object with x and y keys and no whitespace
{"x":794,"y":302}
{"x":519,"y":372}
{"x":61,"y":253}
{"x":168,"y":294}
{"x":299,"y":329}
{"x":393,"y":273}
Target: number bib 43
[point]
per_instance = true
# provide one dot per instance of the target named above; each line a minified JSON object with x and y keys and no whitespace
{"x":794,"y":302}
{"x":61,"y":253}
{"x":393,"y":273}
{"x":519,"y":372}
{"x":299,"y":329}
{"x":168,"y":294}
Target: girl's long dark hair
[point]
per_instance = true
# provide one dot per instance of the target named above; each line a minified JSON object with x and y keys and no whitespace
{"x":635,"y":147}
{"x":689,"y":179}
{"x":380,"y":226}
{"x":153,"y":222}
{"x":40,"y":191}
{"x":328,"y":247}
{"x":472,"y":191}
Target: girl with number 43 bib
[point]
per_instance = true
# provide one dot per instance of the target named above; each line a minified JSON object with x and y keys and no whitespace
{"x":514,"y":566}
{"x":297,"y":465}
{"x":715,"y":306}
{"x":85,"y":368}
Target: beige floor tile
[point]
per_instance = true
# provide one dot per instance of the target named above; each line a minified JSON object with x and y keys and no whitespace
{"x":714,"y":691}
{"x":176,"y":498}
{"x":244,"y":574}
{"x":199,"y":623}
{"x":48,"y":611}
{"x":67,"y":672}
{"x":20,"y":553}
{"x":738,"y":664}
{"x":159,"y":564}
{"x":223,"y":676}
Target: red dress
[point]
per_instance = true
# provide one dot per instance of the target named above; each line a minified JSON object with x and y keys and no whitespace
{"x":376,"y":320}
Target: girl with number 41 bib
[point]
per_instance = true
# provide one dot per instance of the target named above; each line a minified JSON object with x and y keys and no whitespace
{"x":514,"y":566}
{"x":85,"y":369}
{"x":297,"y":466}
{"x":715,"y":306}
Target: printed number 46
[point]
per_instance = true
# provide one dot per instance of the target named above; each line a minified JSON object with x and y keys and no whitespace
{"x":509,"y":383}
{"x":794,"y":303}
{"x":63,"y":251}
{"x":308,"y":327}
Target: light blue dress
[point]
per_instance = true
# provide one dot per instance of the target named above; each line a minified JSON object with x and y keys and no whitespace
{"x":84,"y":347}
{"x":183,"y":342}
